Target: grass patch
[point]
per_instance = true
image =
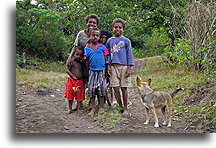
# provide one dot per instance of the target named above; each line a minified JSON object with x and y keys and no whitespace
{"x":109,"y":119}
{"x":34,"y":63}
{"x":37,"y":78}
{"x":166,"y":78}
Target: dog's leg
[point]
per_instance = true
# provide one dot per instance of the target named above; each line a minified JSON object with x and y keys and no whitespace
{"x":163,"y":110}
{"x":169,"y":111}
{"x":155,"y":117}
{"x":147,"y":116}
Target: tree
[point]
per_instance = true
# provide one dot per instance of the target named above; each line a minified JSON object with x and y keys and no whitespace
{"x":39,"y":32}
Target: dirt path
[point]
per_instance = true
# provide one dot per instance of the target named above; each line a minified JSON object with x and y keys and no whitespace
{"x":41,"y":111}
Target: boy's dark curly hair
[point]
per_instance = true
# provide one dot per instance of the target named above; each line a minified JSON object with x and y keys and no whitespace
{"x":78,"y":48}
{"x":94,"y":16}
{"x":119,"y":20}
{"x":95,"y":28}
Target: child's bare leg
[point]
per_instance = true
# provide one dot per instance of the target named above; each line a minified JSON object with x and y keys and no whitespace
{"x":118,"y":96}
{"x":70,"y":104}
{"x":111,"y":95}
{"x":76,"y":108}
{"x":79,"y":107}
{"x":92,"y":100}
{"x":125,"y":100}
{"x":101,"y":105}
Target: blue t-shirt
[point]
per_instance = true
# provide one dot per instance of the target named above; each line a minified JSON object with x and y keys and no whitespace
{"x":96,"y":57}
{"x":120,"y":51}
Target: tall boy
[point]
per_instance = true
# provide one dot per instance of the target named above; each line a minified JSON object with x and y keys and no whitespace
{"x":120,"y":62}
{"x":95,"y":53}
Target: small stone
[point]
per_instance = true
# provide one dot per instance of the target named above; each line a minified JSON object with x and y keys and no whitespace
{"x":67,"y":128}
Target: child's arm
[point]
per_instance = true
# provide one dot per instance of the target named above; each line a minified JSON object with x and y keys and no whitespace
{"x":129,"y":59}
{"x":69,"y":57}
{"x":107,"y":62}
{"x":129,"y":54}
{"x":109,"y":70}
{"x":69,"y":72}
{"x":86,"y":77}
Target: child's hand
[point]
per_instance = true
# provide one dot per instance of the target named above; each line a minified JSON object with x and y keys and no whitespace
{"x":128,"y":72}
{"x":75,"y":78}
{"x":109,"y":70}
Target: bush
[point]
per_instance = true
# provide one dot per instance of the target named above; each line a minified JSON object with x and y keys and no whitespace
{"x":40,"y":33}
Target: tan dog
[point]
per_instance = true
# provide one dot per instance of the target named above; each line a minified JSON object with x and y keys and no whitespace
{"x":156,"y":99}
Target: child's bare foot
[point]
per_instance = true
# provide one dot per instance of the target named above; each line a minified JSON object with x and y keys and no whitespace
{"x":101,"y":111}
{"x":68,"y":112}
{"x":81,"y":105}
{"x":75,"y":109}
{"x":79,"y":112}
{"x":90,"y":106}
{"x":91,"y":114}
{"x":125,"y":113}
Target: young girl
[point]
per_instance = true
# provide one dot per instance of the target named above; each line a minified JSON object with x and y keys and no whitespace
{"x":104,"y":36}
{"x":95,"y":53}
{"x":82,"y":38}
{"x":120,"y":62}
{"x":75,"y":83}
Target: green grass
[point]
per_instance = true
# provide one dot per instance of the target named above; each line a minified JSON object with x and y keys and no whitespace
{"x":166,"y":78}
{"x":109,"y":119}
{"x":37,"y":78}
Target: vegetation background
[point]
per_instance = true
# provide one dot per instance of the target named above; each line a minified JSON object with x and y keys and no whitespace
{"x":176,"y":36}
{"x":183,"y":31}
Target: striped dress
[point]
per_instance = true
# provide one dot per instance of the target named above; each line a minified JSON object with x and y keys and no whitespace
{"x":97,"y":83}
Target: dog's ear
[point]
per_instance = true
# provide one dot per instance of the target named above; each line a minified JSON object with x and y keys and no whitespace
{"x":139,"y":83}
{"x":149,"y":82}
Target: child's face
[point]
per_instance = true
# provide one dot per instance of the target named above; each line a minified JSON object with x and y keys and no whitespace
{"x":78,"y":55}
{"x":118,"y":29}
{"x":91,"y":23}
{"x":103,"y":39}
{"x":94,"y":36}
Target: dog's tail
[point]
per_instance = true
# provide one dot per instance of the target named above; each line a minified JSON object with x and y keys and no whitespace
{"x":176,"y":91}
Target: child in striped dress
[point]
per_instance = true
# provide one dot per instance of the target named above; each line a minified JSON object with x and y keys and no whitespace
{"x":95,"y":54}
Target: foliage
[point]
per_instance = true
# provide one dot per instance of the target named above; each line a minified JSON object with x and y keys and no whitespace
{"x":18,"y":59}
{"x":39,"y":32}
{"x":197,"y":46}
{"x":47,"y":29}
{"x":183,"y":30}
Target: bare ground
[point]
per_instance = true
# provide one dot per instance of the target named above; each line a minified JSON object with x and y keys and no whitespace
{"x":42,"y":111}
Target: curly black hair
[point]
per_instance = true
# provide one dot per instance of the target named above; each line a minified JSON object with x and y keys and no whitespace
{"x":119,"y":20}
{"x":94,"y":16}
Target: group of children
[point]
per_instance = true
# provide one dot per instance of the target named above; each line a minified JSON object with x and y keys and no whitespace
{"x":102,"y":53}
